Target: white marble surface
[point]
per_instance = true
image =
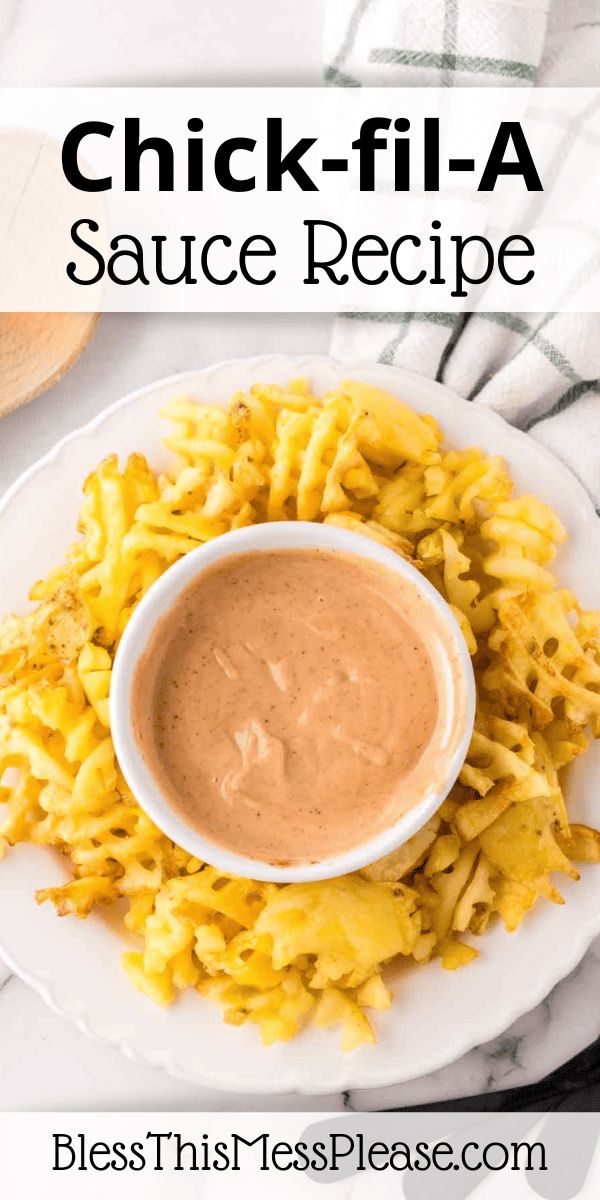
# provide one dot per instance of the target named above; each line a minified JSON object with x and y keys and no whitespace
{"x":45,"y":1063}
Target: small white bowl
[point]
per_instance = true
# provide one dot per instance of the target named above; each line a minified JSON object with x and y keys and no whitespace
{"x":455,"y":722}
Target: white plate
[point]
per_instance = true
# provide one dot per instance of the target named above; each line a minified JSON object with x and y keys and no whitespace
{"x":436,"y":1016}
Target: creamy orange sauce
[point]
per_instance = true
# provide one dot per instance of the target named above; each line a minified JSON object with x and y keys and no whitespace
{"x":286,"y":702}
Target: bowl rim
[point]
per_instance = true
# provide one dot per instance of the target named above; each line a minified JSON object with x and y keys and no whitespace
{"x":164,"y":593}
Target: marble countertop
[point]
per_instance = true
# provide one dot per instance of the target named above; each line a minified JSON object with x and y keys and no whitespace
{"x":46,"y":1063}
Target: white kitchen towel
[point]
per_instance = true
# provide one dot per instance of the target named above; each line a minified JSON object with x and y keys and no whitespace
{"x":541,"y":371}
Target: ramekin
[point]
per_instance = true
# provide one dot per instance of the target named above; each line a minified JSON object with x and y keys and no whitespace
{"x":285,"y":535}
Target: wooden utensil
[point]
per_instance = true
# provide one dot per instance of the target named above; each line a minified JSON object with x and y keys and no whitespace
{"x":36,"y":349}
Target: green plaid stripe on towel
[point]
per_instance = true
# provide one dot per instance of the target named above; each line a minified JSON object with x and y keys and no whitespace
{"x":541,"y":371}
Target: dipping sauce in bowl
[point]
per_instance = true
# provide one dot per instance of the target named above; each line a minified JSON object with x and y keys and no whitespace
{"x":285,"y":701}
{"x":298,"y":708}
